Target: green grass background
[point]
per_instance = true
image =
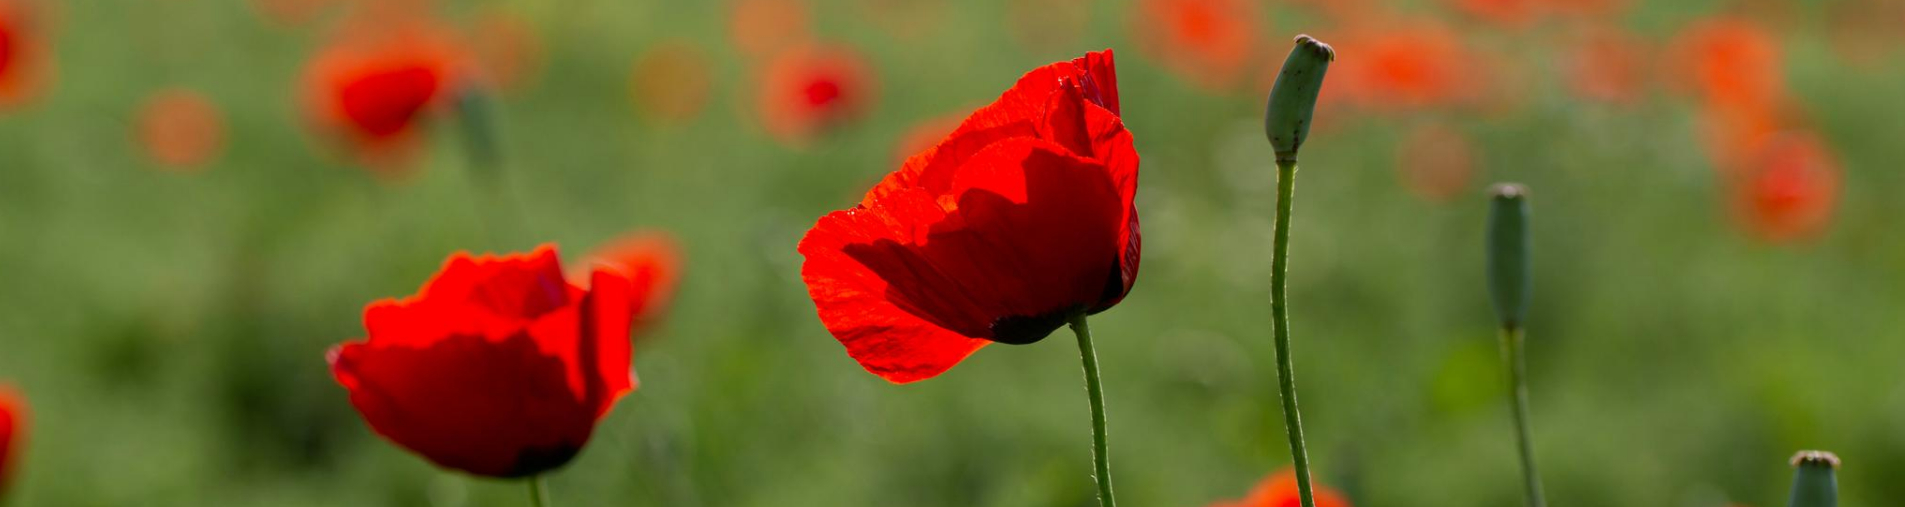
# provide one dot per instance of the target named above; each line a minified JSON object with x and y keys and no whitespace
{"x":170,"y":329}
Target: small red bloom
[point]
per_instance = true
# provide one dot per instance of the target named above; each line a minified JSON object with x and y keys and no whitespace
{"x":671,"y":81}
{"x":1402,"y":65}
{"x":1790,"y":190}
{"x":180,"y":129}
{"x":1280,"y":490}
{"x":374,"y":89}
{"x":498,"y":367}
{"x":1435,"y":162}
{"x":809,"y":90}
{"x":12,"y":433}
{"x":652,"y":262}
{"x":1020,"y":218}
{"x":23,"y":66}
{"x":1730,"y":62}
{"x":1210,"y":42}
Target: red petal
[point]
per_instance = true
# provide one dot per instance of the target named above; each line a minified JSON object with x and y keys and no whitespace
{"x":605,"y":349}
{"x":520,"y":286}
{"x":12,"y":432}
{"x":500,"y":409}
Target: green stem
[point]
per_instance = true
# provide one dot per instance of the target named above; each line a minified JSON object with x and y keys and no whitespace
{"x":1280,"y":325}
{"x":1511,"y":338}
{"x":1095,"y":389}
{"x":538,"y":491}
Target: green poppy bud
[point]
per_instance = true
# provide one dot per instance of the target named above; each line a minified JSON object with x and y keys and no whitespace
{"x":1286,"y":120}
{"x":1813,"y":481}
{"x":1509,"y":281}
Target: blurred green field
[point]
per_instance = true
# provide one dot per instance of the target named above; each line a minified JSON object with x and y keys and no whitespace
{"x":169,"y":329}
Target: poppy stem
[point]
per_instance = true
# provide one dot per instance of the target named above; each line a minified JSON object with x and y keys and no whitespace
{"x":1095,"y":389}
{"x":1511,"y":338}
{"x":1280,"y":325}
{"x":538,"y":491}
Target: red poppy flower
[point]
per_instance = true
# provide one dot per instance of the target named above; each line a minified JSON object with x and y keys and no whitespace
{"x":1019,"y":219}
{"x":652,"y":263}
{"x":1790,"y":190}
{"x":180,"y":129}
{"x":374,"y":88}
{"x":670,"y":81}
{"x":1210,"y":42}
{"x":498,"y":367}
{"x":761,"y":28}
{"x":1402,"y":65}
{"x":23,"y":67}
{"x":1280,"y":490}
{"x":1435,"y":162}
{"x":809,"y":90}
{"x":1729,"y":62}
{"x":12,"y":433}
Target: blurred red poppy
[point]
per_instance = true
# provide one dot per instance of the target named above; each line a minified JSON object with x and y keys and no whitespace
{"x":180,"y":129}
{"x":373,"y":88}
{"x":1609,"y":66}
{"x":13,"y":417}
{"x":507,"y":47}
{"x":1280,"y":490}
{"x":23,"y":62}
{"x":498,"y":367}
{"x":1402,"y":65}
{"x":1210,"y":42}
{"x":1790,"y":190}
{"x":671,"y":81}
{"x":1729,"y":62}
{"x":1435,"y":162}
{"x":809,"y":90}
{"x":652,"y":262}
{"x":761,"y":28}
{"x":1018,"y":220}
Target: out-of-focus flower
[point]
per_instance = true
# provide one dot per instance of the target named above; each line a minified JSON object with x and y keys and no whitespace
{"x":1014,"y":223}
{"x":1402,"y":65}
{"x":1435,"y":162}
{"x":24,"y":65}
{"x":499,"y":367}
{"x":1280,"y":490}
{"x":1729,"y":63}
{"x":809,"y":90}
{"x":1046,"y":25}
{"x":762,"y":28}
{"x":373,"y":87}
{"x":1608,"y":66}
{"x":652,"y":262}
{"x":670,"y":81}
{"x":1210,"y":42}
{"x":1734,"y":135}
{"x":13,"y":416}
{"x":1790,"y":189}
{"x":924,"y":135}
{"x":507,"y":47}
{"x":180,"y":129}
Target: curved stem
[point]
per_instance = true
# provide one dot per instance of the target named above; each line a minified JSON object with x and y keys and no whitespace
{"x":1518,"y":397}
{"x":1280,"y":325}
{"x":1094,"y":388}
{"x":538,"y":491}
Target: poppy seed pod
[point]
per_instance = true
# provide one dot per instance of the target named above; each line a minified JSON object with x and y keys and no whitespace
{"x":1286,"y":120}
{"x":1509,"y":282}
{"x":1813,"y":481}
